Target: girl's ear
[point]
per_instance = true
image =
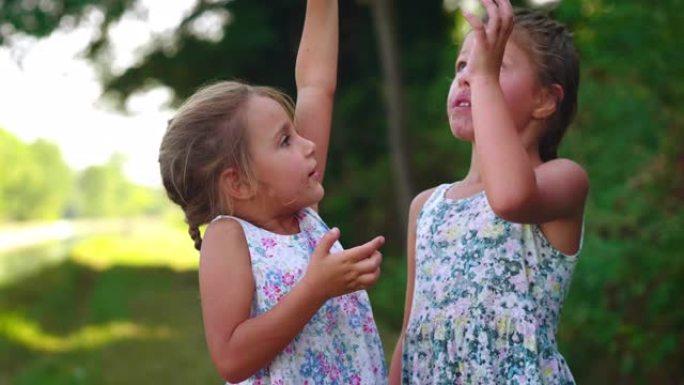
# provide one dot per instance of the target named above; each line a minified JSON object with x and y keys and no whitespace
{"x":549,"y":100}
{"x":235,"y":185}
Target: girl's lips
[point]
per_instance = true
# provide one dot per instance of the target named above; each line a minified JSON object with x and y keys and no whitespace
{"x":459,"y":106}
{"x":315,"y":175}
{"x":461,"y":101}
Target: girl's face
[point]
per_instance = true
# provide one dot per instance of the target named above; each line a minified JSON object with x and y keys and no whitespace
{"x":518,"y":80}
{"x":283,"y":162}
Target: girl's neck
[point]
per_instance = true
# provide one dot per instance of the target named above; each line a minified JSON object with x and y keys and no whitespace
{"x":283,"y":223}
{"x":473,"y":176}
{"x":288,"y":225}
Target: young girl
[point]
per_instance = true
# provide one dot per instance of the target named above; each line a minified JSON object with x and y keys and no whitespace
{"x":282,"y":303}
{"x":490,"y":257}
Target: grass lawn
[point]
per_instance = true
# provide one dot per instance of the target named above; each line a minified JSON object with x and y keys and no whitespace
{"x":119,"y":309}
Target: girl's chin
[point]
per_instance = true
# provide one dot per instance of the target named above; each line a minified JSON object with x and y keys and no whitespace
{"x":320,"y":196}
{"x":461,"y":128}
{"x":464,"y":135}
{"x":316,"y":197}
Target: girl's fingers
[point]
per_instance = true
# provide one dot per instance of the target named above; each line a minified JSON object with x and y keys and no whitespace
{"x":494,"y":23}
{"x":369,"y":264}
{"x":500,"y":24}
{"x":475,"y":24}
{"x":367,"y":280}
{"x":490,"y":38}
{"x":506,"y":12}
{"x":327,"y":241}
{"x":362,"y":252}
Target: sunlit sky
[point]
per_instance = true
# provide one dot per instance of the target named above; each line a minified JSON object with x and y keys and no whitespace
{"x":47,"y":90}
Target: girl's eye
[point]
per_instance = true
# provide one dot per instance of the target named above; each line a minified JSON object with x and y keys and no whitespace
{"x":460,"y":66}
{"x":285,"y":141}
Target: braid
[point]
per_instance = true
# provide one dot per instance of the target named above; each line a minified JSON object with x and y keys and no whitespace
{"x":195,"y":235}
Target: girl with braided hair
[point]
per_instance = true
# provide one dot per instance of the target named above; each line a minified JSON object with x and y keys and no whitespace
{"x":282,"y":302}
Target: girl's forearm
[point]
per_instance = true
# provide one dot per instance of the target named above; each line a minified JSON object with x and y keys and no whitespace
{"x":505,"y":166}
{"x":318,"y":49}
{"x":257,"y":341}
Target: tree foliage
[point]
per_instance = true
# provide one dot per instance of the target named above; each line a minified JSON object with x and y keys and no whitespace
{"x":35,"y":183}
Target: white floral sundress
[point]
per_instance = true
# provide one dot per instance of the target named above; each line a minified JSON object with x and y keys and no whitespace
{"x":487,"y":299}
{"x":340,"y":345}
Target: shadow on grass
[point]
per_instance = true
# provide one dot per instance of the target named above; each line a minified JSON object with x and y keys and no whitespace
{"x":70,"y":324}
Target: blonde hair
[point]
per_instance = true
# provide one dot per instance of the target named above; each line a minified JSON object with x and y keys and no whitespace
{"x":205,"y":137}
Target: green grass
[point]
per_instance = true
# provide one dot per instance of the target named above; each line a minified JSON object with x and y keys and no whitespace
{"x":70,"y":324}
{"x":116,"y":309}
{"x":119,"y":308}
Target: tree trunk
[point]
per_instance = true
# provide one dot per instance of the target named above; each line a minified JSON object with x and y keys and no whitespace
{"x":388,"y":51}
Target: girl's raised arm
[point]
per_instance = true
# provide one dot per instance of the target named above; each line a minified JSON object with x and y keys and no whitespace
{"x":316,"y":75}
{"x":517,"y":190}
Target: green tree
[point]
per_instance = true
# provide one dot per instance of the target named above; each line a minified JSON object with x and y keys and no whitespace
{"x":624,"y":321}
{"x":103,"y":190}
{"x":52,"y":183}
{"x":14,"y":156}
{"x":36,"y":181}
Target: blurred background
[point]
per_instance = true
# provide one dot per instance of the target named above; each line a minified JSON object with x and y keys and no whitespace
{"x":98,"y":277}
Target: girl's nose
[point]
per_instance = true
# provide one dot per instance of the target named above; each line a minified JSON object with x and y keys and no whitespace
{"x":309,"y":147}
{"x":463,"y":76}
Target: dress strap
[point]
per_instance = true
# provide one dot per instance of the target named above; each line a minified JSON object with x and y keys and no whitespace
{"x":221,"y":216}
{"x":312,"y":215}
{"x":246,"y":225}
{"x":438,"y":194}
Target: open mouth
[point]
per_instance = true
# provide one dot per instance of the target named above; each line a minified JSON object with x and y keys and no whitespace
{"x":462,"y":100}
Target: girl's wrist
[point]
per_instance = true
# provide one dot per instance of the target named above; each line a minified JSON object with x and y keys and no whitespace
{"x":313,"y":291}
{"x":484,"y":79}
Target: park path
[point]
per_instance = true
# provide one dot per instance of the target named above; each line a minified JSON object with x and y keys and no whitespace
{"x":18,"y":236}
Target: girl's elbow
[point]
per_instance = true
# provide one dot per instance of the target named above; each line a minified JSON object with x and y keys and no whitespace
{"x":233,"y":374}
{"x":233,"y":379}
{"x":511,"y":207}
{"x":328,"y":89}
{"x":232,"y":370}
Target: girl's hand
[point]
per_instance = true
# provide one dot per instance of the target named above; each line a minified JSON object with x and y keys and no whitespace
{"x":345,"y":272}
{"x":490,"y":40}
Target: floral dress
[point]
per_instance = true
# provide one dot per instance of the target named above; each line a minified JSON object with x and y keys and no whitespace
{"x":487,"y":299}
{"x":340,"y":344}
